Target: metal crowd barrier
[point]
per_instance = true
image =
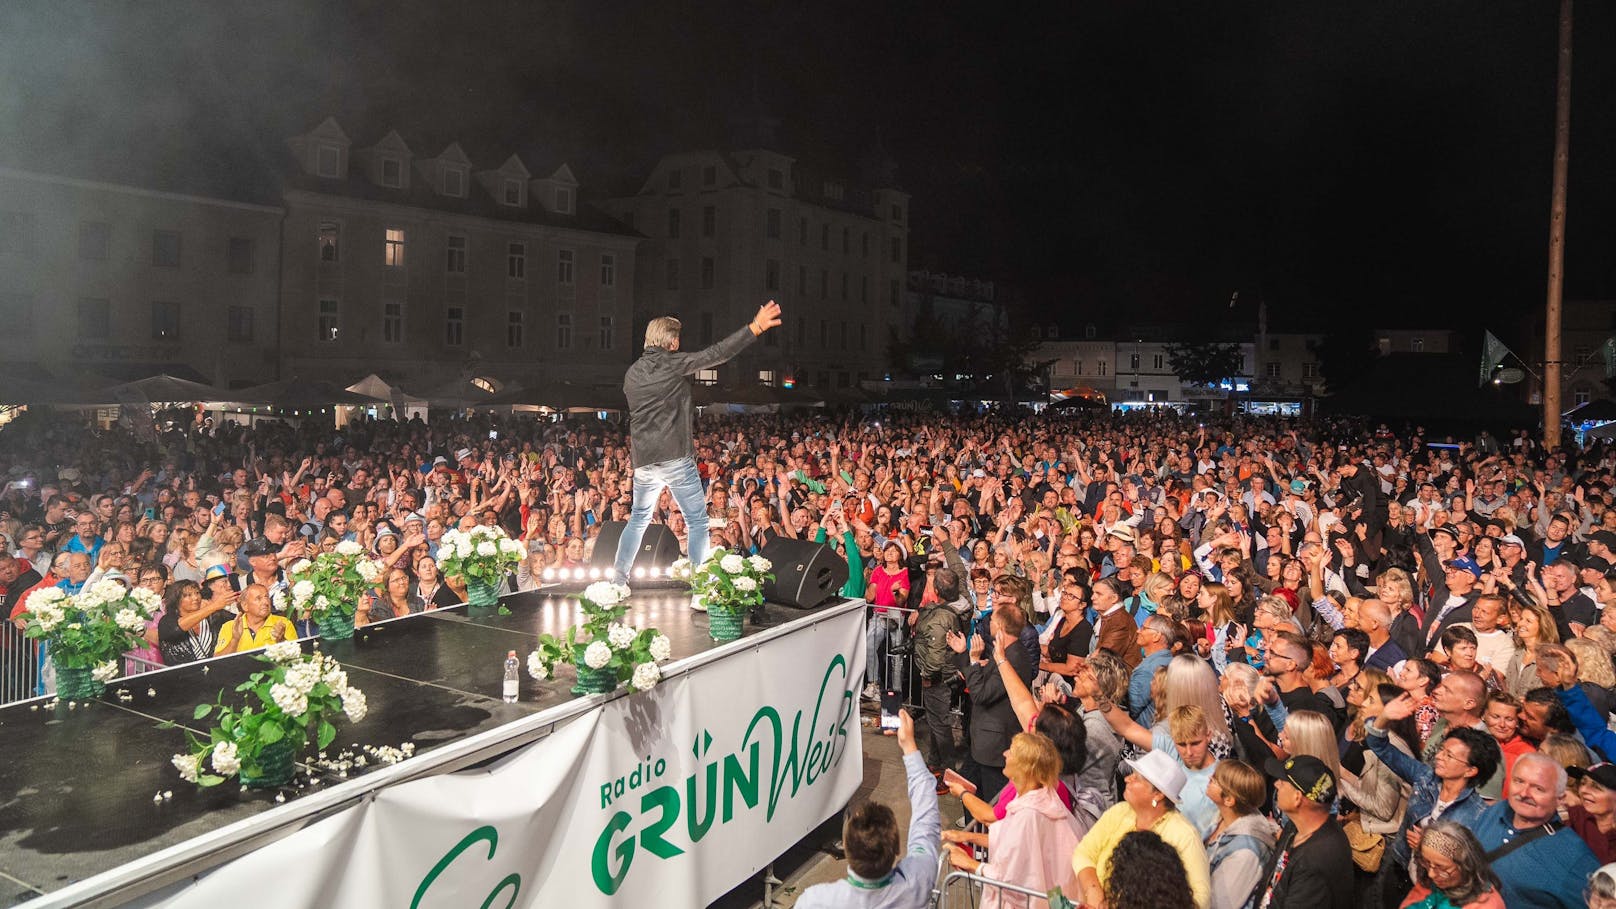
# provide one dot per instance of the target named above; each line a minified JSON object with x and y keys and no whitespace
{"x":1011,"y":896}
{"x":19,"y":664}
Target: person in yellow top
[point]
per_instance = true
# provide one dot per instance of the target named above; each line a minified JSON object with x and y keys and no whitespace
{"x":1148,"y":800}
{"x":256,"y":626}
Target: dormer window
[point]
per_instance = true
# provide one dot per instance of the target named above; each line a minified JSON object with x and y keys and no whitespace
{"x":834,"y":190}
{"x":328,"y":161}
{"x":454,"y":182}
{"x":392,"y":172}
{"x":563,"y":200}
{"x":512,"y":193}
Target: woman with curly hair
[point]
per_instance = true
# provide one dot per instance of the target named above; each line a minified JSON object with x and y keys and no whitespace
{"x":1147,"y":874}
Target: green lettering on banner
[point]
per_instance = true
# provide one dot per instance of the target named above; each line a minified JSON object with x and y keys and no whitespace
{"x":606,"y":880}
{"x":481,"y":833}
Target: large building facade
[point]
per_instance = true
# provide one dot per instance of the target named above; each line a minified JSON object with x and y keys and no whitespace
{"x":726,"y":231}
{"x":432,"y":268}
{"x":100,"y":278}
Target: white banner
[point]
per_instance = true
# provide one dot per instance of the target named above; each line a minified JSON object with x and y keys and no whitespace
{"x":668,"y":798}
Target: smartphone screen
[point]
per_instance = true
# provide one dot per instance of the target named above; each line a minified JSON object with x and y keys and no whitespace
{"x":891,"y":703}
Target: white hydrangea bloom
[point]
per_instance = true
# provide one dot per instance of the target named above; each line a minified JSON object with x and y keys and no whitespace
{"x":536,"y":668}
{"x":512,"y":548}
{"x":619,"y":635}
{"x":335,"y":679}
{"x":300,"y":566}
{"x":732,"y":564}
{"x":302,"y":591}
{"x":147,"y":601}
{"x":353,"y":704}
{"x":759,"y":563}
{"x":605,"y":593}
{"x":49,"y":617}
{"x":105,"y":672}
{"x":661,"y":648}
{"x":646,"y":675}
{"x":322,"y":602}
{"x":189,"y":765}
{"x":487,"y":549}
{"x":225,"y":759}
{"x":597,"y":654}
{"x":370,"y":570}
{"x":130,"y":620}
{"x":349,"y":548}
{"x":681,"y":568}
{"x":744,"y":584}
{"x":284,"y":652}
{"x":45,"y":596}
{"x":290,"y":701}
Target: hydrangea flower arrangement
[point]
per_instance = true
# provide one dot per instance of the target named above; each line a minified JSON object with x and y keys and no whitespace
{"x":87,"y":632}
{"x":612,"y":652}
{"x":290,"y":706}
{"x":482,"y":557}
{"x":728,"y":585}
{"x":328,"y":588}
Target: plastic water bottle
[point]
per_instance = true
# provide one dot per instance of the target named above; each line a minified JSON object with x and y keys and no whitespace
{"x":513,"y":682}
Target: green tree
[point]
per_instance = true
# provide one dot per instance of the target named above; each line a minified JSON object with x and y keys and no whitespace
{"x":1204,"y":362}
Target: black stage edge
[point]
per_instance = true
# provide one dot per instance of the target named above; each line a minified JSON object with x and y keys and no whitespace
{"x":77,"y":781}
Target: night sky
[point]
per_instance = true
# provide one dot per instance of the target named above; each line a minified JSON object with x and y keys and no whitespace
{"x":1142,"y":159}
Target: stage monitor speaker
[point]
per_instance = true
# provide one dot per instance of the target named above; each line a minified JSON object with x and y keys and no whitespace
{"x":658,"y":548}
{"x":805,"y":574}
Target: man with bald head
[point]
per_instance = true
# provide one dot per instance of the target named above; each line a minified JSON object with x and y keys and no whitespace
{"x":1375,"y":618}
{"x":1461,"y":699}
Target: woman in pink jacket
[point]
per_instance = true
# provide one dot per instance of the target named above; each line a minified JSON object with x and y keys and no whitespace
{"x":1032,"y":847}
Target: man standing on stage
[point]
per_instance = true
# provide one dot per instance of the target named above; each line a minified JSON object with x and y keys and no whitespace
{"x":660,"y":415}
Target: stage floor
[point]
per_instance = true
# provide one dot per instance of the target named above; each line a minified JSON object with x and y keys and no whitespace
{"x":77,"y":783}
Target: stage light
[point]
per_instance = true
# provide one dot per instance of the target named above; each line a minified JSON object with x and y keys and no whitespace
{"x":640,"y":572}
{"x":595,"y":574}
{"x":549,"y":574}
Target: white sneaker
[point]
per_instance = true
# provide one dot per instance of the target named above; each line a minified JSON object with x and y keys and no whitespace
{"x":697,"y":603}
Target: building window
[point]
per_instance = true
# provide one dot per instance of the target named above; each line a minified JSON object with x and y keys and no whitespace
{"x":844,"y":285}
{"x":676,"y":179}
{"x":824,"y":284}
{"x":1310,"y":370}
{"x":771,"y":222}
{"x":608,"y":270}
{"x":893,"y":297}
{"x":777,"y":179}
{"x":1077,"y":367}
{"x":328,"y":320}
{"x":864,"y":336}
{"x":563,"y":200}
{"x":1053,"y":332}
{"x":1133,"y":362}
{"x":771,"y":274}
{"x":1158,"y":362}
{"x":865,"y":241}
{"x":766,"y":377}
{"x":328,"y":161}
{"x":844,"y":334}
{"x":673,"y":274}
{"x":564,"y":266}
{"x":563,"y":331}
{"x":833,"y":190}
{"x":393,"y":255}
{"x":709,"y":176}
{"x":328,"y":241}
{"x":513,"y":329}
{"x":392,"y":172}
{"x":516,"y":261}
{"x":454,"y":326}
{"x":513,"y":192}
{"x":707,"y":377}
{"x":864,"y":288}
{"x":897,"y":250}
{"x":802,"y":281}
{"x":1581,"y":354}
{"x":707,"y":273}
{"x":165,"y":248}
{"x":1272,"y":369}
{"x":1101,"y":368}
{"x":1089,"y":331}
{"x":95,"y":318}
{"x":897,"y":212}
{"x":1580,"y":397}
{"x":802,"y":231}
{"x":455,"y":256}
{"x":709,"y":220}
{"x":392,"y":321}
{"x":95,"y":240}
{"x":847,"y":240}
{"x":165,"y":320}
{"x":17,"y":314}
{"x":824,"y":333}
{"x":673,"y":224}
{"x":607,"y":334}
{"x":1417,"y":345}
{"x":239,"y":258}
{"x":454,"y":182}
{"x":824,"y":237}
{"x":240,"y":328}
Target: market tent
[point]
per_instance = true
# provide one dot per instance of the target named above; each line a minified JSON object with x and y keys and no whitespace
{"x":455,"y":393}
{"x":297,"y":394}
{"x":562,"y":396}
{"x":160,"y":389}
{"x":1600,"y":411}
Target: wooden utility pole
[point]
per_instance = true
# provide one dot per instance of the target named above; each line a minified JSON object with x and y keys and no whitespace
{"x":1557,"y":214}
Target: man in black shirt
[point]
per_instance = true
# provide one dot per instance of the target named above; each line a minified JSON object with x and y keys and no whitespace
{"x":1289,"y":658}
{"x":1311,"y":866}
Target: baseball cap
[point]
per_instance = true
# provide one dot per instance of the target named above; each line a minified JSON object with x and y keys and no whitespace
{"x":1298,"y":486}
{"x":1446,"y":531}
{"x":215,"y":571}
{"x":1595,"y":563}
{"x":1603,"y":773}
{"x":1605,"y":537}
{"x":1510,"y":539}
{"x":1162,"y":772}
{"x":1464,"y":563}
{"x":258,"y":546}
{"x":1307,"y":773}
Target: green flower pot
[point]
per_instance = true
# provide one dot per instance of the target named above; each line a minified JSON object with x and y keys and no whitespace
{"x":276,"y":764}
{"x":482,"y":594}
{"x":595,"y":681}
{"x":724,"y":625}
{"x":335,"y":626}
{"x":74,"y":683}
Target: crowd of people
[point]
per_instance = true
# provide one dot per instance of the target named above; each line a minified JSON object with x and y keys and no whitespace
{"x":1240,"y":663}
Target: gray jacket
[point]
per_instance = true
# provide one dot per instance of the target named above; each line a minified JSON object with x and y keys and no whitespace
{"x":657,"y":387}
